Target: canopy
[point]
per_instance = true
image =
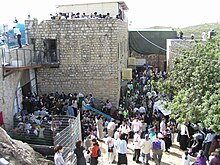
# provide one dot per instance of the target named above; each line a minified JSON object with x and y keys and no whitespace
{"x":160,"y":105}
{"x":150,"y":41}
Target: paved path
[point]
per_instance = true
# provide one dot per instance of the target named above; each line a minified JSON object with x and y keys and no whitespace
{"x":172,"y":158}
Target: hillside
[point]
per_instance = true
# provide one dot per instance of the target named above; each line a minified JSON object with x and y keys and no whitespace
{"x":196,"y":30}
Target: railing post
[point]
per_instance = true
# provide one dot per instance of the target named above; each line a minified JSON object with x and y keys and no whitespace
{"x":3,"y":61}
{"x":31,"y":56}
{"x":58,"y":56}
{"x":41,"y":56}
{"x":17,"y":57}
{"x":24,"y":58}
{"x":3,"y":66}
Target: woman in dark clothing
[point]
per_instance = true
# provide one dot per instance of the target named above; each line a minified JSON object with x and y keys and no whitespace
{"x":79,"y":153}
{"x":184,"y":136}
{"x":167,"y":139}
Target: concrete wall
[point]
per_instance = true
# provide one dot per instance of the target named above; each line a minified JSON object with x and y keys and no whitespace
{"x":92,"y":53}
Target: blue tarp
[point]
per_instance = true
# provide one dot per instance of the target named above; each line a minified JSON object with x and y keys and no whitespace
{"x":11,"y":40}
{"x":88,"y":107}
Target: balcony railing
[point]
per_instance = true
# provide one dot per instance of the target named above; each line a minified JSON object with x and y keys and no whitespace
{"x":21,"y":59}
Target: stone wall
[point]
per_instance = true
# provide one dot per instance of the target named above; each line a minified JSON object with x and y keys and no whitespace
{"x":174,"y":46}
{"x":8,"y":86}
{"x":155,"y":60}
{"x":92,"y":53}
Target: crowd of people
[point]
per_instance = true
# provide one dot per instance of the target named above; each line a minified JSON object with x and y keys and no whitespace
{"x":40,"y":115}
{"x":95,"y":15}
{"x":151,"y":132}
{"x":137,"y":121}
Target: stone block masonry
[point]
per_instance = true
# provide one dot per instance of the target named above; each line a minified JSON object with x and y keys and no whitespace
{"x":92,"y":54}
{"x":8,"y":87}
{"x":174,"y":47}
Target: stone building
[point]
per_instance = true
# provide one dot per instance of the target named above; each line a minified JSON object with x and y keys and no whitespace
{"x":174,"y":46}
{"x":90,"y":54}
{"x":8,"y":89}
{"x":15,"y":80}
{"x":73,"y":55}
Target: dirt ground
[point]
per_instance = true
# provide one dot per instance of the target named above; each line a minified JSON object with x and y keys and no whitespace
{"x":174,"y":157}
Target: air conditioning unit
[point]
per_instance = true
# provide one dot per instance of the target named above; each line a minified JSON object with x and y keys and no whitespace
{"x":131,"y":61}
{"x":126,"y":74}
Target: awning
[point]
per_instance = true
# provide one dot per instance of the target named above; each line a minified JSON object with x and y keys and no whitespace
{"x":160,"y":105}
{"x":150,"y":42}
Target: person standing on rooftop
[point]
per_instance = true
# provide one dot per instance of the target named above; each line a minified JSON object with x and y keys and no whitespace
{"x":18,"y":35}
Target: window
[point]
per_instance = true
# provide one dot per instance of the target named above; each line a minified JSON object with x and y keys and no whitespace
{"x":50,"y":51}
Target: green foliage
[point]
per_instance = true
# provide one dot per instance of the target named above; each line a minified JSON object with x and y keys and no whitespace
{"x":194,"y":85}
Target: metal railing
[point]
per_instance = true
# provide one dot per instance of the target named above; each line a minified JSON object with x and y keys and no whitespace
{"x":61,"y":129}
{"x":29,"y":57}
{"x":58,"y":124}
{"x":68,"y":138}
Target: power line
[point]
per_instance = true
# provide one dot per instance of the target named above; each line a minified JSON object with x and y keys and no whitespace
{"x":174,"y":52}
{"x":151,"y":41}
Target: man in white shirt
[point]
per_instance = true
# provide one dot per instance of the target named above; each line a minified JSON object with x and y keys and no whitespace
{"x":162,"y":125}
{"x":122,"y":150}
{"x":111,"y":128}
{"x":110,"y":149}
{"x":18,"y":35}
{"x":124,"y":129}
{"x":116,"y":134}
{"x":137,"y":147}
{"x":145,"y":148}
{"x":136,"y":125}
{"x":208,"y":140}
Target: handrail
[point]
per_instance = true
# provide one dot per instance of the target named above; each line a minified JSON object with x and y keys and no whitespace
{"x":30,"y":58}
{"x":49,"y":134}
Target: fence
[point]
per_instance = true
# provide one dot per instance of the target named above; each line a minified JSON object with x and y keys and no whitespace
{"x":59,"y":123}
{"x":68,"y":138}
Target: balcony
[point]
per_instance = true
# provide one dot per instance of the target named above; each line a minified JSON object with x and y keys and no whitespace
{"x":27,"y":58}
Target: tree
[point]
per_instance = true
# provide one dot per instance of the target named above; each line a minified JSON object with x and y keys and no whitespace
{"x":194,"y":84}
